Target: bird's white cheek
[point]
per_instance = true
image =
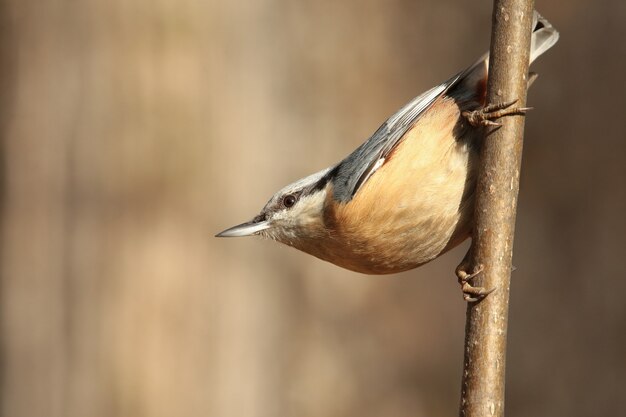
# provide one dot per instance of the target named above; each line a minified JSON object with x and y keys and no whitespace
{"x":291,"y":231}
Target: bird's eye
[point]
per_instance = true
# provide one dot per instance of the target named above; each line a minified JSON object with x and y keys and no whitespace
{"x":289,"y":200}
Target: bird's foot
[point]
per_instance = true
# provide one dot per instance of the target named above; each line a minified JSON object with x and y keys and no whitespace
{"x":487,"y":115}
{"x":471,"y":294}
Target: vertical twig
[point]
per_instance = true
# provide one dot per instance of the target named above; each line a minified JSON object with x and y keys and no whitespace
{"x":496,"y":203}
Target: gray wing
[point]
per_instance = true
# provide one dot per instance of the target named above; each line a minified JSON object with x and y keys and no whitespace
{"x":353,"y":171}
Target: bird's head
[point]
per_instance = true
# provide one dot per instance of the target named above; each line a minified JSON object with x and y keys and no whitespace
{"x":293,"y":214}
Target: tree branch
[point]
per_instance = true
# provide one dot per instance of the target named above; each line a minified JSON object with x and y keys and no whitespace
{"x":496,"y":204}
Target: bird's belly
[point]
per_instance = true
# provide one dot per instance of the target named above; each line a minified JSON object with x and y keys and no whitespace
{"x":416,"y":206}
{"x":398,"y":239}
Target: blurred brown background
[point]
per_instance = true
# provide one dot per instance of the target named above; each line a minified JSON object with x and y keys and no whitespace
{"x":133,"y":131}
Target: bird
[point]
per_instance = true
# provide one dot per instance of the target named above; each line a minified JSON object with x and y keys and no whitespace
{"x":406,"y":195}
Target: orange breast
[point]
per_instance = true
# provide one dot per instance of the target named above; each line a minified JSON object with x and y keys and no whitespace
{"x":415,"y":207}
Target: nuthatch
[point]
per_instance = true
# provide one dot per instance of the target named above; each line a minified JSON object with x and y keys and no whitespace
{"x":406,"y":195}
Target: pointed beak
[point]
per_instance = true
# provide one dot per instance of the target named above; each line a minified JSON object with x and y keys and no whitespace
{"x":245,"y":229}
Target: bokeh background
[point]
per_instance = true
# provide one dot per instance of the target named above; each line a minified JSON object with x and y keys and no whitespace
{"x":133,"y":131}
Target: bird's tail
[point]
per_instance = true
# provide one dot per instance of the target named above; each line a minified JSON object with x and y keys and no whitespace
{"x":474,"y":79}
{"x":543,"y":38}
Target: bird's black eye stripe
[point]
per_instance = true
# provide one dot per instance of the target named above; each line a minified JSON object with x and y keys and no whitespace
{"x":289,"y":200}
{"x":260,"y":218}
{"x":318,"y":186}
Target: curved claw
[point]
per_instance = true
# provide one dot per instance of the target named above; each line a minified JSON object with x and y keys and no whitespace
{"x":487,"y":115}
{"x":471,"y":293}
